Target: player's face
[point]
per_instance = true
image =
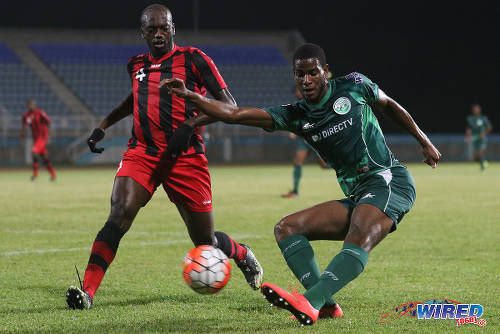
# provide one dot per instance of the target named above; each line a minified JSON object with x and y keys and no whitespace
{"x":476,"y":110}
{"x":311,"y":79}
{"x":31,"y":105}
{"x":158,"y":30}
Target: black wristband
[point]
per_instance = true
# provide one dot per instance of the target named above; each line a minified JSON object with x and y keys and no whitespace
{"x":97,"y":135}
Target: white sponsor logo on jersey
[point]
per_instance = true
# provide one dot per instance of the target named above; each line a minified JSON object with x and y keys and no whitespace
{"x":334,"y":129}
{"x":307,"y":126}
{"x":139,"y":75}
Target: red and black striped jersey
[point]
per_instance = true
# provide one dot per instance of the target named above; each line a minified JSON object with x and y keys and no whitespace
{"x":38,"y":120}
{"x":156,"y":112}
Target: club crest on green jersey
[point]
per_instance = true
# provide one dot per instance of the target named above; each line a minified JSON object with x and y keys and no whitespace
{"x":342,"y":105}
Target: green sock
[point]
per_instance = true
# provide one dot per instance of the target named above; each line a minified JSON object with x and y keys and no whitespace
{"x":345,"y":267}
{"x":299,"y":256}
{"x":297,"y":174}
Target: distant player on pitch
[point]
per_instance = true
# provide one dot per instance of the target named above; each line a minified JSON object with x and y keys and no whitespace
{"x":337,"y":120}
{"x":303,"y":149}
{"x":476,"y":133}
{"x":39,"y":123}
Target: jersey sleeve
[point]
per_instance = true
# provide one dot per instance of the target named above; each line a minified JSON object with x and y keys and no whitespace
{"x":370,"y":89}
{"x":207,"y":73}
{"x":487,"y":122}
{"x":45,"y":117}
{"x":281,"y":116}
{"x":364,"y":86}
{"x":130,"y":67}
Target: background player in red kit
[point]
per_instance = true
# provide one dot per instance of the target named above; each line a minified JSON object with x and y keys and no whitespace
{"x":147,"y":163}
{"x":39,"y":122}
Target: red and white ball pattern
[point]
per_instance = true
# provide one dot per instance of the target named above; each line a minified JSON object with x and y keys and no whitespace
{"x":206,"y":269}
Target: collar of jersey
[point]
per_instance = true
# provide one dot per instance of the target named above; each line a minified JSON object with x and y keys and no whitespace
{"x":159,"y":60}
{"x":323,"y":100}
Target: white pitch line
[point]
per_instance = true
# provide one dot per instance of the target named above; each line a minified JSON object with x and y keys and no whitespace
{"x":59,"y":250}
{"x":38,"y":231}
{"x":89,"y":232}
{"x":126,"y":244}
{"x":42,"y":251}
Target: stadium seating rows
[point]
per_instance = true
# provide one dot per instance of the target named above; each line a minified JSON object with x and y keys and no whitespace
{"x":18,"y":84}
{"x":257,"y":75}
{"x":96,"y":73}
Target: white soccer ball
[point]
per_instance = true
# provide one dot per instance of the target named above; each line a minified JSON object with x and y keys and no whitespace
{"x":206,"y":269}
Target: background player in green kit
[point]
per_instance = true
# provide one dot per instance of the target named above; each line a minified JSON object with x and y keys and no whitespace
{"x":303,"y":149}
{"x":477,"y":130}
{"x":336,"y":119}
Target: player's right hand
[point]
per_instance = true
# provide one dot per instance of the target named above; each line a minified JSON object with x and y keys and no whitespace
{"x":96,"y":136}
{"x":175,"y":86}
{"x":431,"y":155}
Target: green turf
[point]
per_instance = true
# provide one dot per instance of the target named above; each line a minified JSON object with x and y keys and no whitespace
{"x":446,"y":247}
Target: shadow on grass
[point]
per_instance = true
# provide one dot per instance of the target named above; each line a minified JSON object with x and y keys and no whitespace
{"x":198,"y":317}
{"x":49,"y":293}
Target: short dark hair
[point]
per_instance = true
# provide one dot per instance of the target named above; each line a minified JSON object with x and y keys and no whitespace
{"x":155,"y":6}
{"x":310,"y":50}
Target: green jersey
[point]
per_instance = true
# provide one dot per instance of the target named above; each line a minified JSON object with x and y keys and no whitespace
{"x":341,"y":128}
{"x":478,"y":124}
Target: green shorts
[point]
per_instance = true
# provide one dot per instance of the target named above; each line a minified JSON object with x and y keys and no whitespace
{"x":479,"y":144}
{"x":392,"y":191}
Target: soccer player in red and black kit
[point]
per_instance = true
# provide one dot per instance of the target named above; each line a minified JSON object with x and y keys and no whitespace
{"x":39,"y":122}
{"x":147,"y":163}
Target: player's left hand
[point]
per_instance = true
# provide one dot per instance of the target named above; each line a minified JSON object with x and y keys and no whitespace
{"x":179,"y":141}
{"x":175,"y":86}
{"x":96,"y":136}
{"x":431,"y":155}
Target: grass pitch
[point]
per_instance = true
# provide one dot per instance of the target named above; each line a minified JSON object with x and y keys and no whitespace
{"x":446,"y":247}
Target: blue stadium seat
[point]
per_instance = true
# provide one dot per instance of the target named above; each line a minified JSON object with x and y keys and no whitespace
{"x":18,"y":84}
{"x":257,"y":75}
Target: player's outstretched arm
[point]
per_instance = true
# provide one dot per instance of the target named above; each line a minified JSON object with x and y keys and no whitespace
{"x":124,"y":109}
{"x":225,"y":112}
{"x":398,"y":114}
{"x":202,"y":119}
{"x":180,"y":140}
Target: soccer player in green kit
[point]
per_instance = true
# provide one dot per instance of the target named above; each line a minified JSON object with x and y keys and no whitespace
{"x":336,"y":119}
{"x":478,"y":128}
{"x":303,"y":150}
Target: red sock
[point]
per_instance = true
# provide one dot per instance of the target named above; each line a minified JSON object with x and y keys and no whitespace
{"x":51,"y":170}
{"x":230,"y":247}
{"x":101,"y":257}
{"x":102,"y":254}
{"x":35,"y":169}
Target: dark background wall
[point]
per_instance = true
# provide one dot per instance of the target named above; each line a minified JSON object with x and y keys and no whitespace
{"x":435,"y":58}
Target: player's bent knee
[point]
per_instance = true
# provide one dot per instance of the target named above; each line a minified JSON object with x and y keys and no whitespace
{"x":282,"y":230}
